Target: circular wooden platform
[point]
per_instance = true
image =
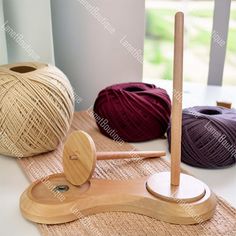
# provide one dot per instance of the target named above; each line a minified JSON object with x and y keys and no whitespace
{"x":189,"y":190}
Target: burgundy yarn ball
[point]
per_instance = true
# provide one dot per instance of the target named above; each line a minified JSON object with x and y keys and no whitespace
{"x":208,"y":137}
{"x":132,"y":112}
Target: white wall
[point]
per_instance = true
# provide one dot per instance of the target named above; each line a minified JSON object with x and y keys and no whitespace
{"x":218,"y":51}
{"x":92,"y":57}
{"x":32,"y":20}
{"x":3,"y":46}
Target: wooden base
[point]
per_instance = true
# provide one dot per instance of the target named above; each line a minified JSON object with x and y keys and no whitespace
{"x":54,"y":200}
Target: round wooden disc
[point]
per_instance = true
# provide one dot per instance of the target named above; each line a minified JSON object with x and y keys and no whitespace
{"x":79,"y":158}
{"x":189,"y":190}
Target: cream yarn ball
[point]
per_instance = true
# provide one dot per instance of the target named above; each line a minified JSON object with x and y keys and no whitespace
{"x":36,"y":108}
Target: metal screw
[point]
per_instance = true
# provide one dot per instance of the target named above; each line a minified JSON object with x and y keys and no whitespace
{"x":61,"y":188}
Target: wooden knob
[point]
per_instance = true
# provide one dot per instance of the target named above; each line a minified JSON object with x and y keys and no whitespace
{"x":224,"y":104}
{"x":79,"y":158}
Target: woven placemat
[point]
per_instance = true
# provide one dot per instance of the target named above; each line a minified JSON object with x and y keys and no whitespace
{"x":119,"y":223}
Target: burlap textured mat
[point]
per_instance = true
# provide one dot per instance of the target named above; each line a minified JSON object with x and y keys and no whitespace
{"x":118,"y":223}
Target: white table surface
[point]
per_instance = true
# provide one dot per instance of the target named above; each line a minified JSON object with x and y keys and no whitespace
{"x":13,"y":181}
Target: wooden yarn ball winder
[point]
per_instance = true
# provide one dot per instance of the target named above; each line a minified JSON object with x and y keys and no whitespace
{"x":172,"y":197}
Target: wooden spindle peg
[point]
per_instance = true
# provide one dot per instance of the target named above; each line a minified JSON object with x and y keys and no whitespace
{"x":129,"y":154}
{"x":176,"y":113}
{"x":80,"y":156}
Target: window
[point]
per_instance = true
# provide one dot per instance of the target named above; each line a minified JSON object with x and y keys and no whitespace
{"x":230,"y":60}
{"x":158,"y":47}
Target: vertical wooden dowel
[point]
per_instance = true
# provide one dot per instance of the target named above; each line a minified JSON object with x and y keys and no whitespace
{"x":176,"y":120}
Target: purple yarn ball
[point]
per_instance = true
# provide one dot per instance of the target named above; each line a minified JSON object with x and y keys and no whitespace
{"x":208,"y":137}
{"x":132,"y":112}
